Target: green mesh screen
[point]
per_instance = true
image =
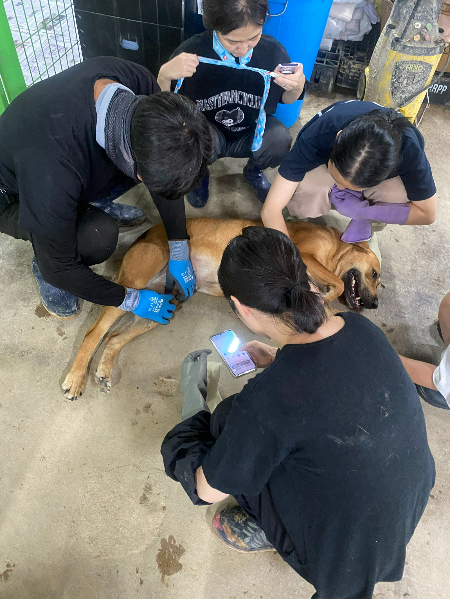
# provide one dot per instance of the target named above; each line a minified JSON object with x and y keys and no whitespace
{"x":45,"y":36}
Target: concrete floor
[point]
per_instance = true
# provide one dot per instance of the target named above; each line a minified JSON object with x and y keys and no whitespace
{"x":86,"y":509}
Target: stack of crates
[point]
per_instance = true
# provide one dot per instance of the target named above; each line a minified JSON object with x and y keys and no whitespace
{"x":344,"y":63}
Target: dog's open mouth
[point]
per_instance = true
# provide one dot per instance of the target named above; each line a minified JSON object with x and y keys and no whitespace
{"x":352,"y":289}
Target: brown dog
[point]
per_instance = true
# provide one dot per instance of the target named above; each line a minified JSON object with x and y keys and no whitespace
{"x":348,"y":271}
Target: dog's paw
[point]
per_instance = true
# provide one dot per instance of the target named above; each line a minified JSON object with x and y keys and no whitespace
{"x":73,"y":386}
{"x":103,"y":382}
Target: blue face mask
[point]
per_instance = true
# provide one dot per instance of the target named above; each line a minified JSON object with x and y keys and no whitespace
{"x":228,"y":60}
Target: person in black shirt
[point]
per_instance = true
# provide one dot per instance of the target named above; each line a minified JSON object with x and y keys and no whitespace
{"x":68,"y":146}
{"x":231,"y":97}
{"x":366,"y":160}
{"x":326,"y":450}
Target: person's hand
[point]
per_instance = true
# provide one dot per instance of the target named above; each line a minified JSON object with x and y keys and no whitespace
{"x":296,"y":81}
{"x":154,"y":306}
{"x":352,"y":204}
{"x":194,"y":382}
{"x":181,"y":275}
{"x":183,"y":65}
{"x":348,"y":202}
{"x":262,"y":355}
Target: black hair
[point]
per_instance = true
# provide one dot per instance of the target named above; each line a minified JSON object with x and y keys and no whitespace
{"x":171,"y":144}
{"x":227,"y":15}
{"x":367,"y":150}
{"x":263,"y":269}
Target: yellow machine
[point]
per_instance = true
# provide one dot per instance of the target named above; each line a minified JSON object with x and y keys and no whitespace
{"x":405,"y":57}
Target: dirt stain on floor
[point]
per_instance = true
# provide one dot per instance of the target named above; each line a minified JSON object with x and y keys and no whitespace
{"x":41,"y":312}
{"x":168,"y":556}
{"x":6,"y":575}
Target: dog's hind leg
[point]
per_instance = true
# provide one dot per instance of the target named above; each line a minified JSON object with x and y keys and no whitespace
{"x":113,"y":344}
{"x":75,"y":381}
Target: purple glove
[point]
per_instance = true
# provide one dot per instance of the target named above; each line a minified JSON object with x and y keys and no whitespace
{"x":357,"y":230}
{"x":351,"y":203}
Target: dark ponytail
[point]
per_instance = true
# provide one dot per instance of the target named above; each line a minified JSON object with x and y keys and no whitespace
{"x":228,"y":15}
{"x":263,"y":269}
{"x":367,"y":150}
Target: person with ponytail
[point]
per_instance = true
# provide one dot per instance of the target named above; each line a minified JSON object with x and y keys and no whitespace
{"x":316,"y":449}
{"x":366,"y":161}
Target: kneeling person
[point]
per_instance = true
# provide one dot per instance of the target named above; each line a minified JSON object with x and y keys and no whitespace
{"x":317,"y":448}
{"x":73,"y":143}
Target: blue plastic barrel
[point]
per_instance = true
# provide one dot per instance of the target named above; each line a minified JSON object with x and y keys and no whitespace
{"x":299,"y":27}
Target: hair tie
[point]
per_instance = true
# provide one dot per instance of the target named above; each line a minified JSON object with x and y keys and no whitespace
{"x":295,"y":285}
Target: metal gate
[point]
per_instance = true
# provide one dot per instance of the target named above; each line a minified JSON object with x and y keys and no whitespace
{"x":38,"y":38}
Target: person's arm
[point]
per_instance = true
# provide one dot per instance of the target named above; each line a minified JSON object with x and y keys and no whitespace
{"x":61,"y":266}
{"x":277,"y":199}
{"x":173,"y":216}
{"x":205,"y":491}
{"x":423,"y":213}
{"x":421,"y":373}
{"x":180,"y":272}
{"x":179,"y":67}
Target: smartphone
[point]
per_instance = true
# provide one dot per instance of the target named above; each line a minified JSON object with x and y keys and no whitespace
{"x":288,"y":68}
{"x":228,"y":344}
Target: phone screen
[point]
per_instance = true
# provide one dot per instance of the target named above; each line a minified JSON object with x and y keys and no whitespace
{"x":228,"y":344}
{"x":288,"y":68}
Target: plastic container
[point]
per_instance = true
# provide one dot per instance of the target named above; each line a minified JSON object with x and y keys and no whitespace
{"x":356,"y":57}
{"x":299,"y":26}
{"x":324,"y":72}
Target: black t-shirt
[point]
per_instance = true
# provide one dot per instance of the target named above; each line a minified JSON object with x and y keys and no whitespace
{"x":50,"y":158}
{"x":315,"y":140}
{"x":231,"y":98}
{"x":334,"y":433}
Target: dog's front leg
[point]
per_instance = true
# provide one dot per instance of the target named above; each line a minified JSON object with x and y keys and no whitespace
{"x":76,"y":379}
{"x":113,"y":344}
{"x":324,"y":278}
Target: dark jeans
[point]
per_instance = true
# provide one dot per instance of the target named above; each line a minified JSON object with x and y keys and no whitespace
{"x":276,"y":143}
{"x":97,"y":232}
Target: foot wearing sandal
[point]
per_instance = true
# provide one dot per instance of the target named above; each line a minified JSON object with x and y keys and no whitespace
{"x":432,"y":397}
{"x":239,"y":531}
{"x":56,"y":301}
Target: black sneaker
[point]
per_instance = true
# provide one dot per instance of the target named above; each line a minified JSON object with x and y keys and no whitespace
{"x":198,"y":197}
{"x":239,"y":531}
{"x":432,"y":397}
{"x":56,"y":301}
{"x":257,"y":180}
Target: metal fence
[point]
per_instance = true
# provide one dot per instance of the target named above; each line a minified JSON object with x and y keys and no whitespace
{"x":45,"y":38}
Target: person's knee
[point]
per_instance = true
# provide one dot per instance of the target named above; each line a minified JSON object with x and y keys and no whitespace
{"x":97,"y":238}
{"x":276,"y":144}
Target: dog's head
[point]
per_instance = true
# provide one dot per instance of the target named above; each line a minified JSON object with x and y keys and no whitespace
{"x":361,"y":277}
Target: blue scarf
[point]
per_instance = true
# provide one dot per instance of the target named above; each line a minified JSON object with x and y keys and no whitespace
{"x":228,"y":60}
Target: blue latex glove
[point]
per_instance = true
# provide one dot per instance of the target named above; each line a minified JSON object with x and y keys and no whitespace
{"x":154,"y":306}
{"x":179,"y":271}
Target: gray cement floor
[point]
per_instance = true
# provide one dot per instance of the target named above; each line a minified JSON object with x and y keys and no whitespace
{"x":86,"y":509}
